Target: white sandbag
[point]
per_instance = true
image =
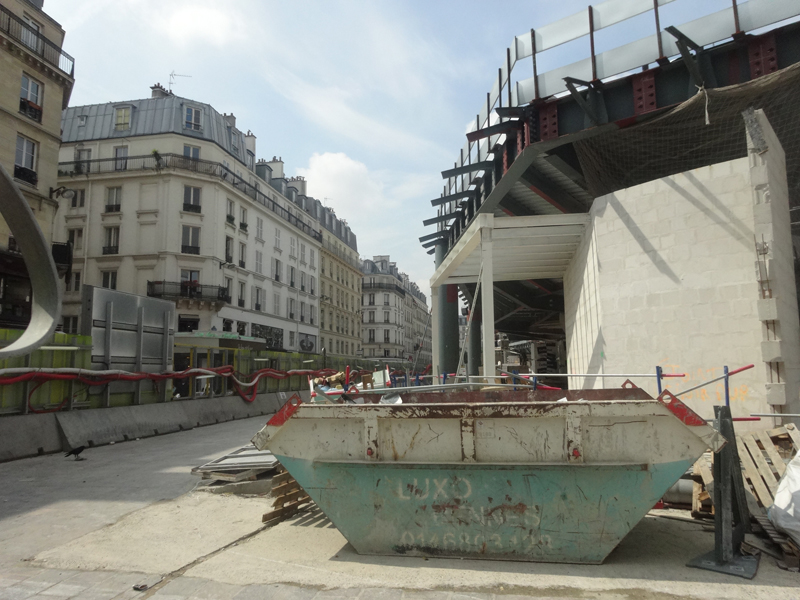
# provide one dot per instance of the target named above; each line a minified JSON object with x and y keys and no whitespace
{"x":785,"y":511}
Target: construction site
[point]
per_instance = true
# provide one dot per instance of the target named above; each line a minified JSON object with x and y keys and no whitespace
{"x":612,"y":406}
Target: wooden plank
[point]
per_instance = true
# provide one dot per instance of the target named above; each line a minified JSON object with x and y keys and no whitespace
{"x":281,"y":478}
{"x":285,"y":511}
{"x":283,"y":488}
{"x":763,"y":467}
{"x":250,"y":474}
{"x":752,"y":475}
{"x":291,"y":496}
{"x":794,"y":434}
{"x":769,"y":448}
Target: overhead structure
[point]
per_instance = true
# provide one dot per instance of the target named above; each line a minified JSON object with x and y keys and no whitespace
{"x":548,"y":143}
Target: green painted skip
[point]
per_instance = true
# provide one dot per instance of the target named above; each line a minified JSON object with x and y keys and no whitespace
{"x":549,"y":513}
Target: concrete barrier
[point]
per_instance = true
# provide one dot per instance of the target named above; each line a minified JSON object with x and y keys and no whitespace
{"x":30,"y":435}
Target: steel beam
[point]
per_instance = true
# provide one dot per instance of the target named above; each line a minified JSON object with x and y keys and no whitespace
{"x":484,"y":165}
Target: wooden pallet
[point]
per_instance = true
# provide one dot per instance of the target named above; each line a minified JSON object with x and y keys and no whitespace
{"x":703,"y":488}
{"x":290,"y":498}
{"x":791,"y":554}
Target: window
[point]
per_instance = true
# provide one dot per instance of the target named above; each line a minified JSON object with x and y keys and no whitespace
{"x":228,"y":287}
{"x":242,"y":289}
{"x":257,"y":298}
{"x":259,"y":228}
{"x":30,"y":34}
{"x":291,"y":338}
{"x":386,"y":299}
{"x":311,"y":258}
{"x":30,"y":98}
{"x":81,"y":120}
{"x":70,"y":325}
{"x":25,"y":161}
{"x":228,"y":249}
{"x":302,"y":312}
{"x":372,"y":316}
{"x":243,"y":218}
{"x":277,"y":269}
{"x":385,"y":335}
{"x":241,"y":327}
{"x":313,"y":314}
{"x":386,"y":353}
{"x":242,"y":255}
{"x":291,"y":276}
{"x":290,"y":308}
{"x":372,"y":336}
{"x":189,"y":276}
{"x":293,"y":247}
{"x":302,"y":281}
{"x":79,"y":199}
{"x":121,"y":158}
{"x":259,"y":262}
{"x":122,"y":119}
{"x":191,"y":199}
{"x":188,"y":323}
{"x":386,"y":316}
{"x":277,"y":239}
{"x":193,"y":116}
{"x":75,"y":237}
{"x":191,"y":151}
{"x":113,"y":199}
{"x":190,"y":242}
{"x":111,"y":242}
{"x":313,"y":285}
{"x":276,"y":303}
{"x":82,"y":158}
{"x":372,"y":299}
{"x":74,"y":282}
{"x":303,"y":253}
{"x":227,"y":325}
{"x":231,"y":208}
{"x":110,"y":280}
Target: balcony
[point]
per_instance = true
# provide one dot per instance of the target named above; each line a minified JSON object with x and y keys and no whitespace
{"x":241,"y":264}
{"x":187,"y":289}
{"x":18,"y":30}
{"x":291,"y":315}
{"x":113,"y":208}
{"x":229,"y":258}
{"x":277,"y":278}
{"x":241,"y":302}
{"x":192,"y":208}
{"x":392,"y":287}
{"x":190,"y":249}
{"x":160,"y":162}
{"x":110,"y":249}
{"x":258,"y":306}
{"x":25,"y":174}
{"x":243,"y":226}
{"x":30,"y":110}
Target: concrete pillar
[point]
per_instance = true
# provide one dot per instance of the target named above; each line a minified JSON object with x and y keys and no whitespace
{"x":474,"y":345}
{"x":447,"y":321}
{"x":434,"y":331}
{"x":487,"y":302}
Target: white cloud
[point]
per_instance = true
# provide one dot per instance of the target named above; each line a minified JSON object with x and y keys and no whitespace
{"x":192,"y":24}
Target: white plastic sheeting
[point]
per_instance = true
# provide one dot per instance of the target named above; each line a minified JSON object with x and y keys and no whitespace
{"x":785,"y":511}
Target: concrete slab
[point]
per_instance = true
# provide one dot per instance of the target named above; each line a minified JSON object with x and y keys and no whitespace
{"x":22,"y":436}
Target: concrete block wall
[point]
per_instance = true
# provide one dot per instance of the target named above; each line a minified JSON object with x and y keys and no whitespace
{"x":666,"y":275}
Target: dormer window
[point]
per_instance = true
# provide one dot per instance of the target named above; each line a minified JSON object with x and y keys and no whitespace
{"x":122,"y":118}
{"x":193,"y":118}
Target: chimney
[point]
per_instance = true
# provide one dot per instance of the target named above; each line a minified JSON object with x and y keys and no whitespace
{"x":276,"y":164}
{"x":298,"y":183}
{"x":250,"y":142}
{"x":158,"y":91}
{"x":229,"y":119}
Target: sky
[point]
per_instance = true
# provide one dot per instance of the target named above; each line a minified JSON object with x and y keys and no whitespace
{"x":369,"y":101}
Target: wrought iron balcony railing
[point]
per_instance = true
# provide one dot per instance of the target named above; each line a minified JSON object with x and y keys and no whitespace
{"x":158,"y":162}
{"x":113,"y":208}
{"x":26,"y":175}
{"x":187,"y":289}
{"x":194,"y":208}
{"x":110,"y":249}
{"x":19,"y":31}
{"x":31,"y":110}
{"x":190,"y":249}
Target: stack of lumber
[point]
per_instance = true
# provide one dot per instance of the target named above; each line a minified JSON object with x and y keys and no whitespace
{"x":244,"y":464}
{"x":290,"y":498}
{"x":763,"y":456}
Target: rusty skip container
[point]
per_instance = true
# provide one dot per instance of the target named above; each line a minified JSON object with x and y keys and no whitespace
{"x":534,"y":481}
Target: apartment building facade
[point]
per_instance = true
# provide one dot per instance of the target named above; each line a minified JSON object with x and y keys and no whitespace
{"x":394,"y":315}
{"x":169,"y":202}
{"x":36,"y":80}
{"x":340,"y":277}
